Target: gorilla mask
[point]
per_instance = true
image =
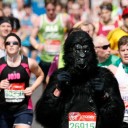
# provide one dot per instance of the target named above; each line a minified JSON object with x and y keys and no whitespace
{"x":79,"y":53}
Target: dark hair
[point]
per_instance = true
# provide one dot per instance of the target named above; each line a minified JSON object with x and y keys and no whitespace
{"x":13,"y":34}
{"x":16,"y":23}
{"x":6,"y":19}
{"x":54,"y":2}
{"x":122,"y":41}
{"x":6,"y":5}
{"x":106,"y":5}
{"x":27,"y":5}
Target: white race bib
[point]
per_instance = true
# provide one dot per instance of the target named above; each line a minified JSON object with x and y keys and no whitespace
{"x":82,"y":120}
{"x":52,"y":47}
{"x":15,"y":92}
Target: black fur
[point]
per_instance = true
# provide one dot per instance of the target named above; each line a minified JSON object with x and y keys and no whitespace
{"x":81,"y":95}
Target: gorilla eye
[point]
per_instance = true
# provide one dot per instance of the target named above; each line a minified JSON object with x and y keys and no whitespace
{"x":86,"y":48}
{"x":78,"y":47}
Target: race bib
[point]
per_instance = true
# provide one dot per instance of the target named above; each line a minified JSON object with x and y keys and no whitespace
{"x":124,"y":95}
{"x":108,"y":28}
{"x":52,"y":47}
{"x":82,"y":120}
{"x":15,"y":92}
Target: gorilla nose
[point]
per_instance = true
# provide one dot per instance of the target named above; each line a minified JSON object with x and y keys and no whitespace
{"x":82,"y":54}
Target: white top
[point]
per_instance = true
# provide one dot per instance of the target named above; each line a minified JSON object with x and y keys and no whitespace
{"x":122,"y":79}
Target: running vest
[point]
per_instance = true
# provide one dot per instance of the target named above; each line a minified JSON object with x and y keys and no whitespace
{"x":122,"y":79}
{"x":105,"y":29}
{"x":13,"y":97}
{"x":51,"y":35}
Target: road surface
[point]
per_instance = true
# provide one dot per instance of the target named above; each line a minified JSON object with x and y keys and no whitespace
{"x":35,"y":97}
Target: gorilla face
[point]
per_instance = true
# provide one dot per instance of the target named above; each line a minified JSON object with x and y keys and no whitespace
{"x":80,"y":53}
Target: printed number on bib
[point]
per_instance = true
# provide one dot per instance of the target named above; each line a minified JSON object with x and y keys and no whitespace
{"x":82,"y":120}
{"x":124,"y":95}
{"x":52,"y":47}
{"x":15,"y":92}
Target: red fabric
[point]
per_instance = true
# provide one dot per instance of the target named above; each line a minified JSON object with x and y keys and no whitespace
{"x":104,"y":31}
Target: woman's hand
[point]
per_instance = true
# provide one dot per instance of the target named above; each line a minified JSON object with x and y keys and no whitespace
{"x":28,"y":91}
{"x":4,"y":84}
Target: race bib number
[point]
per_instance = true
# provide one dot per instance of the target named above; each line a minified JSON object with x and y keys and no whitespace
{"x":52,"y":47}
{"x":82,"y":120}
{"x":124,"y":95}
{"x":15,"y":92}
{"x":125,"y":99}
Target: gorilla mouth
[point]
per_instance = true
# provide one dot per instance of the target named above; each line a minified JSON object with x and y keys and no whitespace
{"x":81,"y":63}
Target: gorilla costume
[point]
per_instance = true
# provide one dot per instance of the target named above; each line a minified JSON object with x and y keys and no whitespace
{"x":86,"y":92}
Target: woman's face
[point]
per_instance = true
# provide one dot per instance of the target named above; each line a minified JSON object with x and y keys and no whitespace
{"x":12,"y":46}
{"x":123,"y":51}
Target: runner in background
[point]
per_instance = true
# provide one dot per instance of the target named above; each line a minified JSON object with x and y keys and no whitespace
{"x":27,"y":22}
{"x":7,"y":10}
{"x":103,"y":51}
{"x":114,"y":35}
{"x":50,"y":28}
{"x":18,"y":10}
{"x":95,"y":9}
{"x":6,"y":27}
{"x":120,"y":70}
{"x":76,"y":14}
{"x":106,"y":23}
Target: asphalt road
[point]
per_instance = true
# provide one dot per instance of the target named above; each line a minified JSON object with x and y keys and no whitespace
{"x":36,"y":95}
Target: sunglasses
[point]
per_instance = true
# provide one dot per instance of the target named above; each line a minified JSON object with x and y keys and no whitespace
{"x":13,"y":43}
{"x":104,"y":46}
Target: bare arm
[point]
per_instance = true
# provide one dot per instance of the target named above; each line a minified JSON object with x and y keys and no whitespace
{"x":67,"y":23}
{"x":36,"y":70}
{"x":96,"y":27}
{"x":34,"y":34}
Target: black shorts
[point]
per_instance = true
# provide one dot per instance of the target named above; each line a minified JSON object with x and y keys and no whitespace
{"x":8,"y":119}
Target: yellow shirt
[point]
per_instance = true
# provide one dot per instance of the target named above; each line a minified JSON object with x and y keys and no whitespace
{"x":114,"y":36}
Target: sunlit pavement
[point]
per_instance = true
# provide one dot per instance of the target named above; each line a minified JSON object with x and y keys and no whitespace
{"x":36,"y":95}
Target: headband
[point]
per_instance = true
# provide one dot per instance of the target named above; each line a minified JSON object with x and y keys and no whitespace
{"x":5,"y":19}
